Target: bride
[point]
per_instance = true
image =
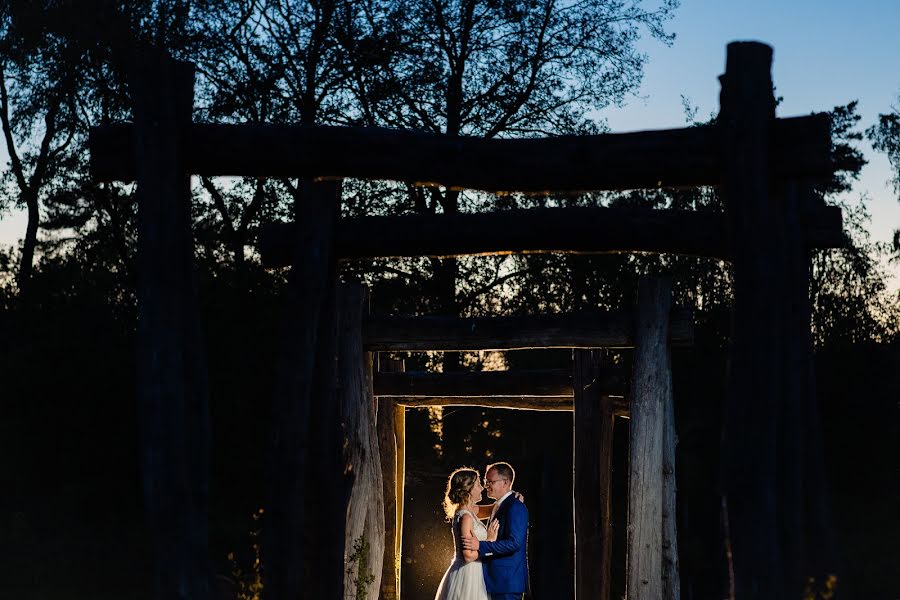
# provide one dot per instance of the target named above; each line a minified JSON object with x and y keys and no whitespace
{"x":464,"y":580}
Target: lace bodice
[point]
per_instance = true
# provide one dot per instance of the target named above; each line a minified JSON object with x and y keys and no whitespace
{"x":478,"y":528}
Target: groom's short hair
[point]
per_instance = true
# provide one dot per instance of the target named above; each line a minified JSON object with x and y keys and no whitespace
{"x":504,"y":470}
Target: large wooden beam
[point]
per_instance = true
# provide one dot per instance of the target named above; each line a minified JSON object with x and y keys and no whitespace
{"x":651,"y":392}
{"x":364,"y":539}
{"x":646,"y":159}
{"x":173,"y":396}
{"x":580,"y":230}
{"x":619,"y":404}
{"x":303,"y":553}
{"x":671,"y":571}
{"x":573,"y":330}
{"x":538,"y":382}
{"x":593,"y":437}
{"x":391,"y":430}
{"x":756,"y":363}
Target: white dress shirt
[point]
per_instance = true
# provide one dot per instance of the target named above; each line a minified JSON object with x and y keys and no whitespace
{"x":498,"y":503}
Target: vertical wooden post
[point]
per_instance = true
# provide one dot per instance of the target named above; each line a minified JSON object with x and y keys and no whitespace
{"x":793,"y":312}
{"x":304,"y":548}
{"x":810,"y":547}
{"x":671,"y":578}
{"x":391,"y":429}
{"x":365,"y":512}
{"x":593,"y":475}
{"x":756,"y":366}
{"x":172,"y":375}
{"x":651,"y":391}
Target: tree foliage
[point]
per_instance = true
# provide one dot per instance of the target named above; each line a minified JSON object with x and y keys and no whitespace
{"x":885,"y":137}
{"x":451,"y":67}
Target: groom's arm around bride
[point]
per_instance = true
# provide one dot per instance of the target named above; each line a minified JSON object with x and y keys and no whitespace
{"x":512,"y":536}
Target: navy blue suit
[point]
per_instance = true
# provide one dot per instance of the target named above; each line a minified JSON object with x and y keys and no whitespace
{"x":504,"y":561}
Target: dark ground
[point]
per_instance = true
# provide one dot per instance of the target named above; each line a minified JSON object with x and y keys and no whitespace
{"x":70,"y":509}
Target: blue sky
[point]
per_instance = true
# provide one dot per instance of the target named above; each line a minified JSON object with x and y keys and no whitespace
{"x":827,"y":52}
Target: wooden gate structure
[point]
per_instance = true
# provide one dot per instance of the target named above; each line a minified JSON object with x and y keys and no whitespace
{"x":328,"y":452}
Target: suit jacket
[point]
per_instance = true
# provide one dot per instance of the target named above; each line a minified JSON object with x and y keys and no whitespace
{"x":505,"y":562}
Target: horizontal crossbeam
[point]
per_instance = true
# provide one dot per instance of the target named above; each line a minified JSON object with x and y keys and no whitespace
{"x":572,"y":330}
{"x":554,"y":403}
{"x":531,"y":383}
{"x":572,"y":230}
{"x":801,"y":148}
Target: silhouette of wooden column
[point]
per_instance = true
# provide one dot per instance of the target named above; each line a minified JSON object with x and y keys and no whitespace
{"x":671,"y":575}
{"x":173,"y":394}
{"x":391,"y":428}
{"x":756,"y":370}
{"x":304,"y":538}
{"x":807,"y":531}
{"x":365,"y":512}
{"x":651,"y":394}
{"x":594,"y":417}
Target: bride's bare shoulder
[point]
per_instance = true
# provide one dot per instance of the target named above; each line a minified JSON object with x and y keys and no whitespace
{"x":464,"y":514}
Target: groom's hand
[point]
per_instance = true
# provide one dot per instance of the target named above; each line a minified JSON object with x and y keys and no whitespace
{"x":470,"y":543}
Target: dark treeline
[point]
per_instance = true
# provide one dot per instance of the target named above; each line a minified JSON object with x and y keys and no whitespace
{"x":70,"y":508}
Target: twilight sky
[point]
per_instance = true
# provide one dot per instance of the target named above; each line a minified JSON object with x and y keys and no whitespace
{"x":827,"y":52}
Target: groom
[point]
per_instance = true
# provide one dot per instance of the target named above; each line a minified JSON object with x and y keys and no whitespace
{"x":504,"y":561}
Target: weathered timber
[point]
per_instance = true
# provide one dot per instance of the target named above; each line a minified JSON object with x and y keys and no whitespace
{"x":651,"y":390}
{"x":304,"y":552}
{"x":572,"y":330}
{"x":671,"y":575}
{"x":390,"y":427}
{"x":546,"y":403}
{"x":365,"y":512}
{"x":580,"y":230}
{"x":749,"y":454}
{"x":593,"y":436}
{"x":644,"y":159}
{"x":173,"y":396}
{"x":399,"y":483}
{"x":537,"y":382}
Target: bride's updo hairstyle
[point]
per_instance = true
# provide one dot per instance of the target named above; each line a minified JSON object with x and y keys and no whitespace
{"x":459,"y":488}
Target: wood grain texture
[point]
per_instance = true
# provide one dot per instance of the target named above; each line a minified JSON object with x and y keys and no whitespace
{"x":593,"y":436}
{"x":671,"y":573}
{"x":547,"y":403}
{"x":365,"y":511}
{"x":651,"y":390}
{"x":390,"y":428}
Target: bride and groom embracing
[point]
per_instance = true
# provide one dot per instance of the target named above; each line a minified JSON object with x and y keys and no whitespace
{"x":490,"y":561}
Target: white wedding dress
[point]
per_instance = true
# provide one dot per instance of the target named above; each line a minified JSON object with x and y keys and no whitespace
{"x":463,"y":581}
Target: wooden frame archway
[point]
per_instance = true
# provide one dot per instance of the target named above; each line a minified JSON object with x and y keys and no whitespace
{"x":595,"y":391}
{"x":763,"y":166}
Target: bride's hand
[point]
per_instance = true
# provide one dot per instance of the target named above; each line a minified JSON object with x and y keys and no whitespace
{"x":492,"y":530}
{"x":519,"y":497}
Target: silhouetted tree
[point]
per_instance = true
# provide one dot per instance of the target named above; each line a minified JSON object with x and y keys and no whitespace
{"x":493,"y":70}
{"x":885,"y":137}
